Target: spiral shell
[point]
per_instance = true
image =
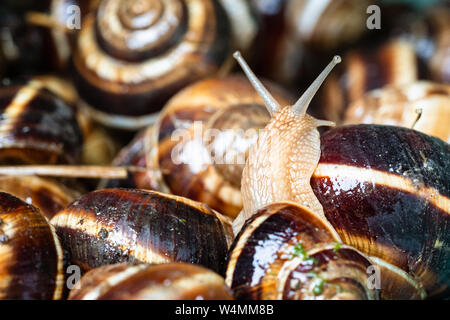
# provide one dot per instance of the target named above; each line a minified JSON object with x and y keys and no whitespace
{"x":132,"y":56}
{"x":393,"y":63}
{"x":125,"y":225}
{"x":200,"y":144}
{"x":171,"y":281}
{"x":400,"y":106}
{"x":31,"y":261}
{"x":285,"y":251}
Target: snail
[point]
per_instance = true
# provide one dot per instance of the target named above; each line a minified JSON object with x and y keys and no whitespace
{"x":285,"y":251}
{"x":47,"y":195}
{"x":170,"y":281}
{"x":383,"y":189}
{"x":399,"y":106}
{"x":37,"y":126}
{"x":128,"y":225}
{"x":31,"y":259}
{"x":197,"y":149}
{"x":133,"y":55}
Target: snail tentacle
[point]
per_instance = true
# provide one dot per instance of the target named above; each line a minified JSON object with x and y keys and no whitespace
{"x":270,"y":102}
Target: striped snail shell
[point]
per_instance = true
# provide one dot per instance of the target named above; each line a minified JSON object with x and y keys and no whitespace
{"x":392,"y":63}
{"x":285,"y":251}
{"x":132,"y":56}
{"x":170,"y":281}
{"x":37,"y":126}
{"x":200,"y":142}
{"x":384,"y":189}
{"x":47,"y":195}
{"x":127,"y":225}
{"x":399,"y":106}
{"x":31,"y":260}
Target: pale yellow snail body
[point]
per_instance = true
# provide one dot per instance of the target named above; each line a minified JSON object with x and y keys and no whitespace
{"x":288,"y":151}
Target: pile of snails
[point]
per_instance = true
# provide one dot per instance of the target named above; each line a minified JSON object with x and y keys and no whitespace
{"x":138,"y":162}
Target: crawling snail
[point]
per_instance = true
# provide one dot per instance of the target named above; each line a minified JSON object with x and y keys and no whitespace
{"x":422,"y":105}
{"x":170,"y":281}
{"x":133,"y":55}
{"x":129,"y":225}
{"x":383,"y":189}
{"x":31,"y":258}
{"x":198,"y":147}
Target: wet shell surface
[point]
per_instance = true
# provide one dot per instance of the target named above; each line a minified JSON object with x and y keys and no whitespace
{"x":126,"y":225}
{"x":286,"y":252}
{"x":171,"y":281}
{"x":31,"y":261}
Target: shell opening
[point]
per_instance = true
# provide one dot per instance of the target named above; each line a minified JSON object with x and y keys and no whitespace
{"x":271,"y":104}
{"x":302,"y":104}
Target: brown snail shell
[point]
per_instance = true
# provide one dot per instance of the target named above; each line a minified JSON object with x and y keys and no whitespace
{"x":192,"y":163}
{"x":126,"y":225}
{"x":325,"y":25}
{"x":399,"y":106}
{"x":31,"y":261}
{"x":285,"y":252}
{"x":37,"y":126}
{"x":132,"y":56}
{"x":47,"y":195}
{"x":170,"y":281}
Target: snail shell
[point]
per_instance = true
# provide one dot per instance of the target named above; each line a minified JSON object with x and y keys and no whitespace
{"x":285,"y":251}
{"x":37,"y":126}
{"x":47,"y":195}
{"x":393,"y":63}
{"x":132,"y":56}
{"x":399,"y":105}
{"x":31,"y":261}
{"x":200,"y":143}
{"x":170,"y":281}
{"x":125,"y":225}
{"x":386,"y":192}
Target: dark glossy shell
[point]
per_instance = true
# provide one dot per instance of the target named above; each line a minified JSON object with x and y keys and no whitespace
{"x":37,"y":127}
{"x":120,"y":225}
{"x":285,"y":252}
{"x":172,"y":281}
{"x":132,"y":56}
{"x":47,"y":195}
{"x":31,"y":262}
{"x":386,"y":191}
